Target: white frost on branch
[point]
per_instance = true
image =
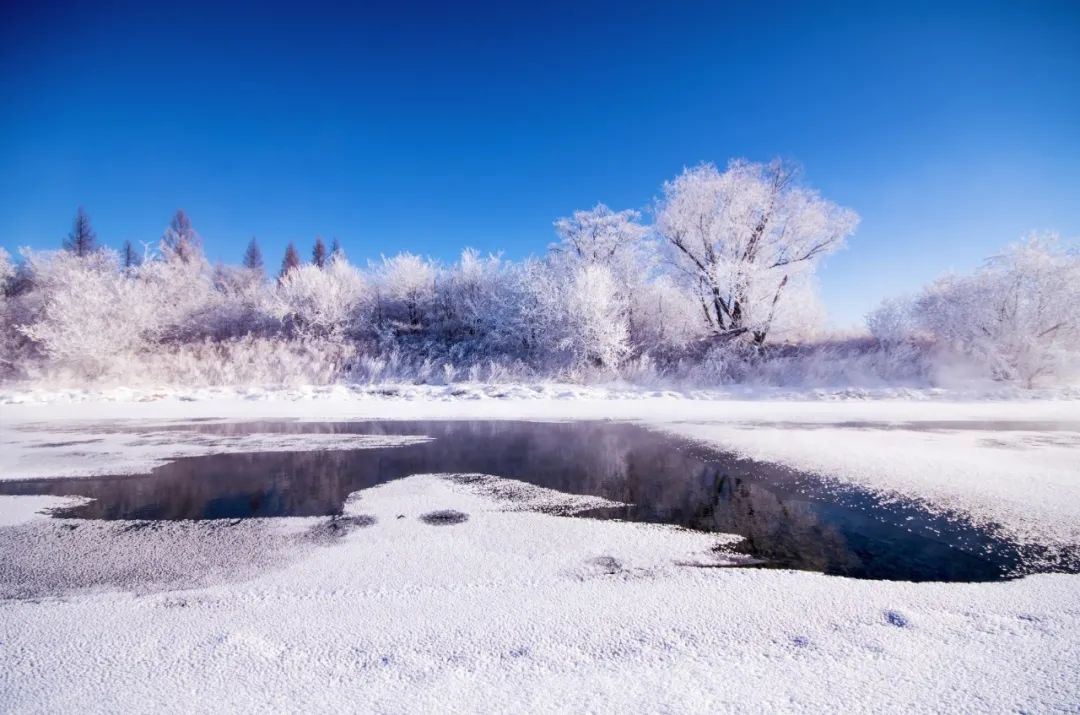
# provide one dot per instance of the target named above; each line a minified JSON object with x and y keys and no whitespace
{"x":741,"y":238}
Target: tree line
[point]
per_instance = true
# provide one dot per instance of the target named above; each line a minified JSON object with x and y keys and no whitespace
{"x":719,"y":286}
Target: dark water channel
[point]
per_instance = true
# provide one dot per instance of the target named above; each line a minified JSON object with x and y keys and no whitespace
{"x":788,"y":520}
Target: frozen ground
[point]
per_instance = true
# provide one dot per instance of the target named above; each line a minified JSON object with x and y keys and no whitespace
{"x":514,"y":610}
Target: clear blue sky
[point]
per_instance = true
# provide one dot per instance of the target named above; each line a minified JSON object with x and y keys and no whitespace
{"x":952,"y":128}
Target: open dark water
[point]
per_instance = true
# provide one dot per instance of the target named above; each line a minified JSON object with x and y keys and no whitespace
{"x":788,"y":520}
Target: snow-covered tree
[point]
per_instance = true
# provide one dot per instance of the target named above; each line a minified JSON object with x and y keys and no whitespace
{"x":7,"y":270}
{"x":664,"y":318}
{"x":253,"y":259}
{"x":601,"y":237}
{"x":480,"y":300}
{"x":180,"y":242}
{"x":405,"y":286}
{"x":616,"y":241}
{"x":322,"y":302}
{"x":597,"y":324}
{"x":129,"y":257}
{"x":741,"y":238}
{"x":89,"y":314}
{"x":892,"y":321}
{"x":82,"y":241}
{"x":1019,"y":315}
{"x":290,"y":262}
{"x":318,"y":253}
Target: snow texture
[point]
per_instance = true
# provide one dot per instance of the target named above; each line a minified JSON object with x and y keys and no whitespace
{"x":516,"y":608}
{"x":37,"y":451}
{"x":522,"y":611}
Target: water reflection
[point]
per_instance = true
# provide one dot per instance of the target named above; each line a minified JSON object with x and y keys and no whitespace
{"x":787,"y":519}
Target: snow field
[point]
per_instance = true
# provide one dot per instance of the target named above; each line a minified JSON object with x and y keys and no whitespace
{"x":520,"y":611}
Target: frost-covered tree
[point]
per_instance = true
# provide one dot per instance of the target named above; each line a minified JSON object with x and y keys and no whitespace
{"x":573,"y":319}
{"x":335,"y":248}
{"x":10,"y":340}
{"x":129,"y":257}
{"x":1019,"y":315}
{"x":82,"y":241}
{"x":331,"y":301}
{"x":237,"y":306}
{"x":318,"y":253}
{"x":290,"y":262}
{"x":180,"y":242}
{"x":253,"y":259}
{"x":664,"y":318}
{"x":480,"y":300}
{"x":89,"y":314}
{"x":7,"y":269}
{"x":405,"y":290}
{"x":616,"y":241}
{"x":597,"y":324}
{"x":741,"y":238}
{"x":600,"y":237}
{"x":892,"y":321}
{"x":180,"y":299}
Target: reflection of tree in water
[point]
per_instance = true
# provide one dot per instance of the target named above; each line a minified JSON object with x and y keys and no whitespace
{"x":782,"y":532}
{"x":659,"y":478}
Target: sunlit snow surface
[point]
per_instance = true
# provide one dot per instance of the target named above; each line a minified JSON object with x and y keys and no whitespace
{"x":518,"y":610}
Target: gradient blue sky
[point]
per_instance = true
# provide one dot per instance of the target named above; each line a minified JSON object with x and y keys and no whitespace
{"x":952,"y":128}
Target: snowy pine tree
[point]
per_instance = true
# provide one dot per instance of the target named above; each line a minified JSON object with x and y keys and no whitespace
{"x":180,"y":242}
{"x":318,"y":253}
{"x":130,"y":257}
{"x":253,"y":259}
{"x":82,"y":241}
{"x":291,"y":260}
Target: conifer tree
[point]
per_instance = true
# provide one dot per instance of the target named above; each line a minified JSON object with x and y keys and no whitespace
{"x":82,"y":241}
{"x":253,"y":259}
{"x":180,"y":240}
{"x":130,"y":256}
{"x":318,"y":253}
{"x":291,"y":260}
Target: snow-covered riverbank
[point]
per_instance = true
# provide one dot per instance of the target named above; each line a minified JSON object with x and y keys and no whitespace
{"x":513,"y":611}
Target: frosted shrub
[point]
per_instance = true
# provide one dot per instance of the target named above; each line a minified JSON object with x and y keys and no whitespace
{"x":597,"y":331}
{"x":18,"y":354}
{"x":89,"y":314}
{"x":240,"y":305}
{"x":249,"y":361}
{"x":405,"y":291}
{"x":176,"y":299}
{"x":1018,"y":317}
{"x":892,"y":322}
{"x":7,"y":269}
{"x":664,"y":318}
{"x":480,"y":301}
{"x":330,"y":301}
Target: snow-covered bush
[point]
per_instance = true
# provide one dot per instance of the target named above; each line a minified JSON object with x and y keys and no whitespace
{"x":330,"y":301}
{"x":892,"y":322}
{"x":664,"y":318}
{"x":17,"y":352}
{"x":84,"y":322}
{"x":481,"y":301}
{"x":1018,"y":316}
{"x":248,"y":360}
{"x":595,"y":329}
